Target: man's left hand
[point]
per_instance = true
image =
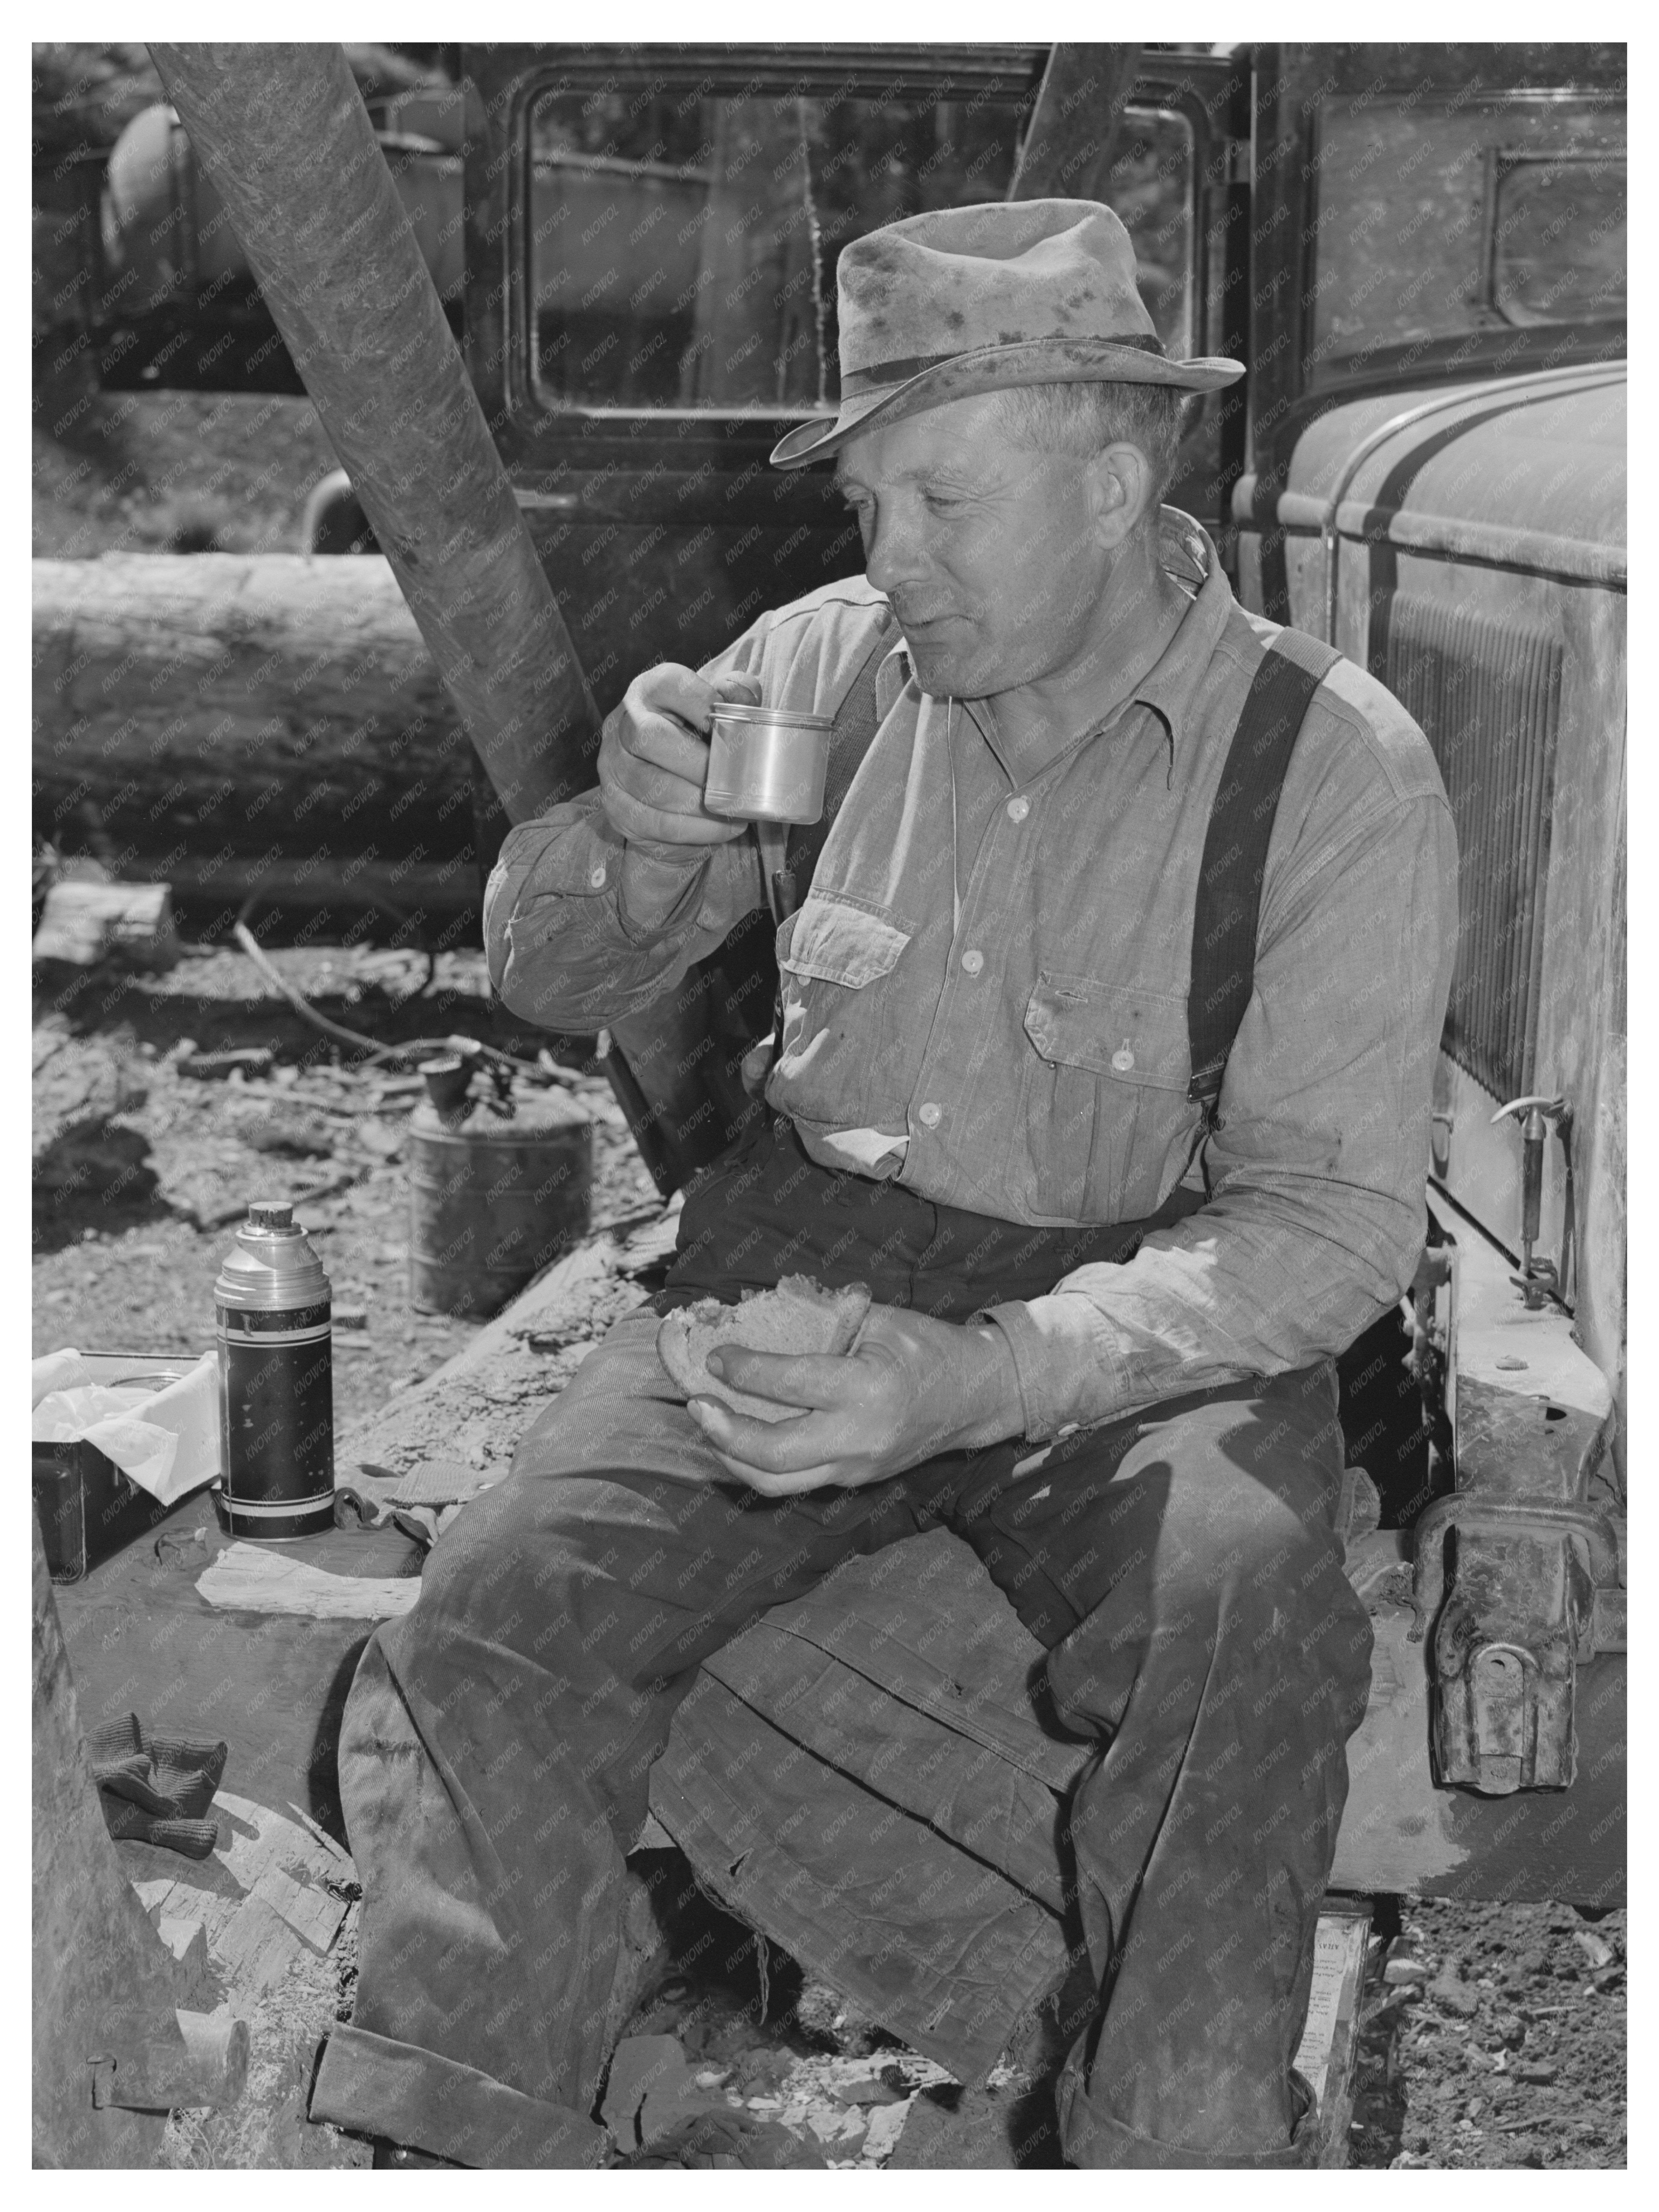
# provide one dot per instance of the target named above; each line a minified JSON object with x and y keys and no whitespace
{"x":909,"y":1388}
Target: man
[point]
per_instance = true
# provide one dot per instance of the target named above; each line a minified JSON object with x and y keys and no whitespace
{"x":1106,"y":1300}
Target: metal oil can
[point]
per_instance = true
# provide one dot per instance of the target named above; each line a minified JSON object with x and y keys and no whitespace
{"x":498,"y":1190}
{"x":276,"y":1379}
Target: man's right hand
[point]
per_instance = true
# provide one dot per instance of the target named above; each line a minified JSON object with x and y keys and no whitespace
{"x":653,"y":758}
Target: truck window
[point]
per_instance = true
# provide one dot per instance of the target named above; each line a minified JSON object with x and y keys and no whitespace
{"x":1558,"y":237}
{"x":683,"y":242}
{"x":1436,"y":218}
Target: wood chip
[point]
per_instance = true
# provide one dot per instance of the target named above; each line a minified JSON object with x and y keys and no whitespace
{"x":246,"y":1579}
{"x":262,"y":1896}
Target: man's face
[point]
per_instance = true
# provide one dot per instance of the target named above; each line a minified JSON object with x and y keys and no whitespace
{"x":988,"y":548}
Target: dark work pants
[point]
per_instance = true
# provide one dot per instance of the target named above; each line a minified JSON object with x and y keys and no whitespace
{"x":1180,"y":1566}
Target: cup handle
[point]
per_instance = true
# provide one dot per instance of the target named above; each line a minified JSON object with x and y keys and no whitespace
{"x":773,"y":839}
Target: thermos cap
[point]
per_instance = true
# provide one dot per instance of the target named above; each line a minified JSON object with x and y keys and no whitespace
{"x":783,"y":718}
{"x":767,"y":763}
{"x":272,"y":1265}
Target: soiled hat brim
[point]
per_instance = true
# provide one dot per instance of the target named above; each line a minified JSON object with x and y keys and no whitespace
{"x":993,"y":368}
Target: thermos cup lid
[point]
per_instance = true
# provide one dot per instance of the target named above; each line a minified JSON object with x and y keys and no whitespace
{"x":783,"y":717}
{"x":767,"y":763}
{"x":272,"y":1264}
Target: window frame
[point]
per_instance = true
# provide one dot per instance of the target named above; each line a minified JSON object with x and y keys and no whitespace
{"x":1504,"y":162}
{"x":1466,"y":350}
{"x":576,"y":446}
{"x":582,"y":413}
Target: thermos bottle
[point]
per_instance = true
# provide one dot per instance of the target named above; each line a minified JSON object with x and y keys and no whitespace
{"x":276,"y":1379}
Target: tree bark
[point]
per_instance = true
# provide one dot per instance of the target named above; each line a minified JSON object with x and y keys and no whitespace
{"x":1068,"y":141}
{"x":282,"y":131}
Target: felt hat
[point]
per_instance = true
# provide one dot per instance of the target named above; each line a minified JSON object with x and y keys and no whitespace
{"x":964,"y":300}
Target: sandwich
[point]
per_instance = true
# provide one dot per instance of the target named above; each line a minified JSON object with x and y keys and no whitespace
{"x":798,"y":1316}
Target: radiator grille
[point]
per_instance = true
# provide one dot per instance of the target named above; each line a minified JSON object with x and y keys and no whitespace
{"x":1487,"y":693}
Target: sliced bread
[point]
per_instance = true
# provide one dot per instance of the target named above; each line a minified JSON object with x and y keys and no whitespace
{"x":795,"y":1318}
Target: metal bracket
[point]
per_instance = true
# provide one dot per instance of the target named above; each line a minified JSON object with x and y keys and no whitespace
{"x":1542,"y":1280}
{"x":1522,"y":1612}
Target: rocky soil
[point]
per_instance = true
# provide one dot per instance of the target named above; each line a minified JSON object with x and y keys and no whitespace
{"x":1497,"y":2037}
{"x":142,"y":1167}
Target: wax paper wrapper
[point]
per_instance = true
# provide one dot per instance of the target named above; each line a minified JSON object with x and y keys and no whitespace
{"x":166,"y":1441}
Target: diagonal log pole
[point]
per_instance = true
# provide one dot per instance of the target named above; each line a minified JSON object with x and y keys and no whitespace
{"x":282,"y":132}
{"x":1069,"y":143}
{"x":284,"y":136}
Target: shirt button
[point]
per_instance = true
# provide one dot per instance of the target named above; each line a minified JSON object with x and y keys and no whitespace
{"x":1123,"y":1059}
{"x":973,"y":962}
{"x":1019,"y":809}
{"x":596,"y":875}
{"x":930,"y":1115}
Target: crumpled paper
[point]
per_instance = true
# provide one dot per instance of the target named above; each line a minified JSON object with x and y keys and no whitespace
{"x":165,"y":1441}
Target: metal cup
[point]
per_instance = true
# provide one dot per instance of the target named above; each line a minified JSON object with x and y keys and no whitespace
{"x":767,"y":764}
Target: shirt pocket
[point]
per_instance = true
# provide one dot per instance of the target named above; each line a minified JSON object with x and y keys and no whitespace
{"x":1109,"y":1126}
{"x":840,"y":1030}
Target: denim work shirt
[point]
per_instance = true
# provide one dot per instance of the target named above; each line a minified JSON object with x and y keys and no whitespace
{"x":1017,"y":1044}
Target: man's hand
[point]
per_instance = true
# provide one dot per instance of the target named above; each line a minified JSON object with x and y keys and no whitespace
{"x":909,"y":1387}
{"x":653,"y":758}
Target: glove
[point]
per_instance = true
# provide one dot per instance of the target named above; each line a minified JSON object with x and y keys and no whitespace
{"x":154,"y":1790}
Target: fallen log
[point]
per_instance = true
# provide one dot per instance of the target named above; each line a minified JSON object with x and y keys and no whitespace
{"x":240,"y":709}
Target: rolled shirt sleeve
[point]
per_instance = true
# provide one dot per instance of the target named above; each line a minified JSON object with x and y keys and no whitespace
{"x":561,"y":947}
{"x":1314,"y":1217}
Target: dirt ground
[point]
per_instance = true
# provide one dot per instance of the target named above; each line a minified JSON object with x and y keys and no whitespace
{"x":1497,"y":2033}
{"x":132,"y":1155}
{"x":1496,"y":2038}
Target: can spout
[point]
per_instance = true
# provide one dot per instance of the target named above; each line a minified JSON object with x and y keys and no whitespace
{"x":446,"y":1080}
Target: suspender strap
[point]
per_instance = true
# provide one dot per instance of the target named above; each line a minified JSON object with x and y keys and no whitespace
{"x":1228,"y":903}
{"x":849,"y":741}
